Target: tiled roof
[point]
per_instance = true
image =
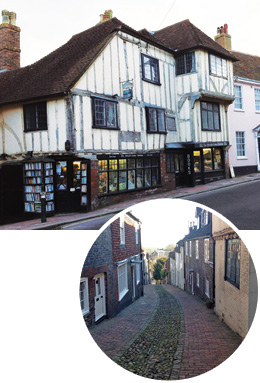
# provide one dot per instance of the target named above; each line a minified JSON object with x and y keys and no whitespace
{"x":204,"y":231}
{"x":56,"y":73}
{"x":184,"y":35}
{"x":247,"y":67}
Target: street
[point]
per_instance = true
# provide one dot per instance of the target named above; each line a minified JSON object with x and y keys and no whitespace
{"x":240,"y":204}
{"x":167,"y":334}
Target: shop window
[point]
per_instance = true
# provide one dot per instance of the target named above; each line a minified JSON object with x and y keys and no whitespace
{"x":150,"y":69}
{"x":185,"y":63}
{"x":233,"y":254}
{"x":207,"y":157}
{"x":83,"y":295}
{"x":127,"y":174}
{"x":104,"y":113}
{"x":217,"y":159}
{"x":35,"y":117}
{"x":155,"y":120}
{"x":241,"y":144}
{"x":197,"y":161}
{"x":122,"y":280}
{"x":210,"y":116}
{"x":218,"y":66}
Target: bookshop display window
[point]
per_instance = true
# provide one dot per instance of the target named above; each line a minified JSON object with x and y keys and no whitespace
{"x":123,"y":174}
{"x":197,"y":161}
{"x":38,"y":179}
{"x":211,"y":157}
{"x":61,"y":175}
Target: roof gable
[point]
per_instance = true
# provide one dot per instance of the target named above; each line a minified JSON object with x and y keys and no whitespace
{"x":56,"y":73}
{"x":184,"y":36}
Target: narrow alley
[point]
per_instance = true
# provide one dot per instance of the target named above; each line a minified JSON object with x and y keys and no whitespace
{"x":167,"y":334}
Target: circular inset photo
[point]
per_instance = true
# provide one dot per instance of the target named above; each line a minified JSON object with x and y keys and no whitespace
{"x":168,"y":290}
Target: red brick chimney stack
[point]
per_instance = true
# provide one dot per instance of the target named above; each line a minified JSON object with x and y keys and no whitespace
{"x":9,"y":42}
{"x":223,"y":38}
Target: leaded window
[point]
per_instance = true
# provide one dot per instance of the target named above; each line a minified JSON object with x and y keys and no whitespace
{"x":210,"y":116}
{"x":185,"y":63}
{"x":35,"y":117}
{"x":218,"y":66}
{"x":155,"y":120}
{"x":104,"y":113}
{"x":233,"y":255}
{"x":150,"y":69}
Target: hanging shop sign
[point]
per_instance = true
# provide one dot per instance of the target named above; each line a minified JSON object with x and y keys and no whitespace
{"x":127,"y":87}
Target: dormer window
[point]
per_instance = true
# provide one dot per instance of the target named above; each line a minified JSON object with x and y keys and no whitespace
{"x":185,"y":63}
{"x":217,"y":66}
{"x":150,"y":69}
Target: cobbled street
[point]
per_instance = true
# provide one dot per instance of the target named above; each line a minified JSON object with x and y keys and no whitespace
{"x":167,"y":334}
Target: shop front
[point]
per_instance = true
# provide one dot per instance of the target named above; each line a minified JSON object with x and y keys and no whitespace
{"x":195,"y":164}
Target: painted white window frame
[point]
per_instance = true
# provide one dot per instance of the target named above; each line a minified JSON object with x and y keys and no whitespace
{"x":241,"y":144}
{"x":85,"y":300}
{"x":122,"y":230}
{"x":190,"y":248}
{"x":238,"y":104}
{"x":138,"y":272}
{"x":257,"y":99}
{"x":197,"y":280}
{"x":197,"y":248}
{"x":218,"y":66}
{"x":136,"y":233}
{"x":122,"y":280}
{"x":207,"y":288}
{"x":206,"y":250}
{"x":186,"y":248}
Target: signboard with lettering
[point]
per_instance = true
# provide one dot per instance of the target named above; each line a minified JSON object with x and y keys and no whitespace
{"x":127,"y":87}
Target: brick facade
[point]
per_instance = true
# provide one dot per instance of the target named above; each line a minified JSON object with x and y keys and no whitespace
{"x":9,"y":47}
{"x":104,"y":258}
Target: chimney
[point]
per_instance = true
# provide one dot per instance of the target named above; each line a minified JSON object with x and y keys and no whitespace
{"x":9,"y":42}
{"x":107,"y":15}
{"x":223,"y":38}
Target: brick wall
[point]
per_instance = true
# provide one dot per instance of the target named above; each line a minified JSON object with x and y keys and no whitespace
{"x":231,"y":302}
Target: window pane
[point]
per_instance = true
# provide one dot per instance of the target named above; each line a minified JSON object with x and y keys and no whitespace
{"x":205,"y":120}
{"x":152,"y":120}
{"x":257,"y":99}
{"x":61,"y":175}
{"x":224,"y":68}
{"x":207,"y":159}
{"x":113,"y":181}
{"x":99,"y":112}
{"x":147,"y":68}
{"x":197,"y":161}
{"x":154,"y":176}
{"x":131,"y":179}
{"x":139,"y":163}
{"x":76,"y":175}
{"x":180,"y":65}
{"x":41,"y":116}
{"x":122,"y":164}
{"x":139,"y":178}
{"x":102,"y":165}
{"x":131,"y":163}
{"x":103,"y":183}
{"x":111,"y":114}
{"x":217,"y":159}
{"x":190,"y":62}
{"x":213,"y":67}
{"x":154,"y":71}
{"x":161,"y":121}
{"x":238,"y":97}
{"x":122,"y":181}
{"x":147,"y":176}
{"x":112,"y":164}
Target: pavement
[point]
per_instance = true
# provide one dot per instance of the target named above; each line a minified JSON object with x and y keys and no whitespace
{"x":61,"y":219}
{"x":167,"y":334}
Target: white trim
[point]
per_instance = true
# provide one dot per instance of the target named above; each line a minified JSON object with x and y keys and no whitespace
{"x":122,"y":279}
{"x":86,"y":296}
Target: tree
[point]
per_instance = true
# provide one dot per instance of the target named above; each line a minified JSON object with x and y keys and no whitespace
{"x":159,"y":273}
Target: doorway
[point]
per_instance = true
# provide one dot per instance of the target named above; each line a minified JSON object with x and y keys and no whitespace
{"x":133,"y":279}
{"x":100,"y":298}
{"x":179,"y":168}
{"x":71,"y":185}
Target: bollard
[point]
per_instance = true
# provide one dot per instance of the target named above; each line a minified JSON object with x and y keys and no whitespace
{"x":43,"y":207}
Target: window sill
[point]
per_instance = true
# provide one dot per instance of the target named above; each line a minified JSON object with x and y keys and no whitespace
{"x":85,"y":312}
{"x":105,"y":127}
{"x":186,"y":74}
{"x":123,"y":293}
{"x":242,"y":158}
{"x":156,"y":132}
{"x":239,"y":110}
{"x":151,"y":82}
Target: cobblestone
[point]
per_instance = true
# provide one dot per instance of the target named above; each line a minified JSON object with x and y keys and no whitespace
{"x":167,"y":335}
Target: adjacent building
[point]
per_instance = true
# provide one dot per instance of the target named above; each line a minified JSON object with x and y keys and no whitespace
{"x":112,"y":275}
{"x":199,"y":257}
{"x":235,"y":279}
{"x":111,"y":115}
{"x":244,"y":113}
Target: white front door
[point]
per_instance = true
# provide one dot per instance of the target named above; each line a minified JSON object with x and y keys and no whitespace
{"x":100,"y":298}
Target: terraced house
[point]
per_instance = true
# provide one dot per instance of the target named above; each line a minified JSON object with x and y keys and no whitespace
{"x":112,"y":114}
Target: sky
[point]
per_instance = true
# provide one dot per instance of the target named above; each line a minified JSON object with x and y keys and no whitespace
{"x":46,"y":25}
